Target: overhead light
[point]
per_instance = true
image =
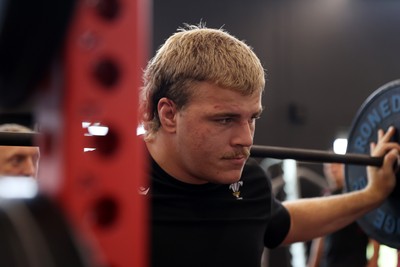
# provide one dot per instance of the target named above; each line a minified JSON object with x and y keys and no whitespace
{"x":340,"y":146}
{"x":98,"y":130}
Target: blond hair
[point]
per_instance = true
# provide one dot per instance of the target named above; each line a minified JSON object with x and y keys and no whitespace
{"x":197,"y":54}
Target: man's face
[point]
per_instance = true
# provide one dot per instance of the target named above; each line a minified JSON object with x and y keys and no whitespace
{"x":214,"y":133}
{"x":19,"y":161}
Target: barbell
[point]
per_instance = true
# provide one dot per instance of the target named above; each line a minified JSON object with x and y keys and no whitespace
{"x":379,"y":111}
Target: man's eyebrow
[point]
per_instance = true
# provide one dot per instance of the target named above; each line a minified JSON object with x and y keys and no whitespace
{"x":225,"y":114}
{"x":20,"y":155}
{"x":234,"y":114}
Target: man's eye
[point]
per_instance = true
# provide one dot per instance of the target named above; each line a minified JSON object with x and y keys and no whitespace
{"x":224,"y":120}
{"x":17,"y":160}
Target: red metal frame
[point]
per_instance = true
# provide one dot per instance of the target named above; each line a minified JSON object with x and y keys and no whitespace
{"x":99,"y":190}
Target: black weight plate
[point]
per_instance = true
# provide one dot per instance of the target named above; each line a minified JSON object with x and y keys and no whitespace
{"x":379,"y":111}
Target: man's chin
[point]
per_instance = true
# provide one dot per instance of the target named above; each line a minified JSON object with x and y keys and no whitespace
{"x":230,"y":179}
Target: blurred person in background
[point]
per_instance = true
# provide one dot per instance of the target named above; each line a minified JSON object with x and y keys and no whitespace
{"x":347,"y":246}
{"x":18,"y":160}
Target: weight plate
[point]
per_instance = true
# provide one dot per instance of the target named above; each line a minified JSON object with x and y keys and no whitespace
{"x":379,"y":111}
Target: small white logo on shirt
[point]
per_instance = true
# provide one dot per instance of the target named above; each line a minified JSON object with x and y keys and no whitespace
{"x":235,"y":188}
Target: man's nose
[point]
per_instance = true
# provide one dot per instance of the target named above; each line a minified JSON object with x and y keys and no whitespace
{"x":244,"y":135}
{"x":29,"y":167}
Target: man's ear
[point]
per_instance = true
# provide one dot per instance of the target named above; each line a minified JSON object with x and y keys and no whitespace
{"x":167,"y":113}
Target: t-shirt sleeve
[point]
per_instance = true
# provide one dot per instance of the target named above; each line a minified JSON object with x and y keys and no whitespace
{"x":278,"y":226}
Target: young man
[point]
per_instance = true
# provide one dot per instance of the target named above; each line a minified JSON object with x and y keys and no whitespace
{"x":18,"y":160}
{"x":210,"y":204}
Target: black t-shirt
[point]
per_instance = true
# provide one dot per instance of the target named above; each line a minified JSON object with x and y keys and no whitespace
{"x":214,"y":225}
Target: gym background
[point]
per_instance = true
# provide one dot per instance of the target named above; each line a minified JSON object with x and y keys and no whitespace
{"x":323,"y":59}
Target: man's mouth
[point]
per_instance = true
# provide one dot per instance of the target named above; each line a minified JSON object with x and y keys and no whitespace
{"x":237,"y":155}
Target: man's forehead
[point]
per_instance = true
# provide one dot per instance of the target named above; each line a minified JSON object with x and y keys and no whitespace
{"x":19,"y":149}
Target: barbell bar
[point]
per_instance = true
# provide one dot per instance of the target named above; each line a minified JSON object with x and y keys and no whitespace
{"x":311,"y":155}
